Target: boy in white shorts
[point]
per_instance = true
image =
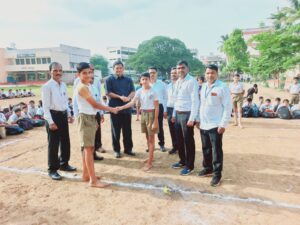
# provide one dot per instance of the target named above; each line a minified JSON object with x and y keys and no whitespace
{"x":149,"y":111}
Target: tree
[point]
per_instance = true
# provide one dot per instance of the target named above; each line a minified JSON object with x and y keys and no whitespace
{"x":235,"y":49}
{"x":100,"y":63}
{"x":163,"y":53}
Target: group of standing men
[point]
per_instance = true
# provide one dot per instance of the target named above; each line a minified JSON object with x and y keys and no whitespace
{"x":182,"y":102}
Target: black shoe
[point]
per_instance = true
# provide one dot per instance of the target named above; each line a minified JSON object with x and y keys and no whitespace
{"x":98,"y":158}
{"x":118,"y":155}
{"x":54,"y":175}
{"x":216,"y":181}
{"x":162,"y":148}
{"x":205,"y":173}
{"x":172,"y":151}
{"x":130,"y":153}
{"x":68,"y":168}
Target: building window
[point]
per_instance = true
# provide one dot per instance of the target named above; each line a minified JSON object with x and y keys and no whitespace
{"x":38,"y":61}
{"x":22,"y":61}
{"x":20,"y":77}
{"x":17,"y":61}
{"x":27,"y":61}
{"x":42,"y":76}
{"x":48,"y":60}
{"x":44,"y":61}
{"x":31,"y":76}
{"x":33,"y":61}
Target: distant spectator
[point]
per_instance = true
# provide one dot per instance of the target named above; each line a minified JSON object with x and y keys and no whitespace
{"x":17,"y":115}
{"x":30,"y":93}
{"x":249,"y":109}
{"x":105,"y":102}
{"x":40,"y":111}
{"x":266,"y":109}
{"x":295,"y":111}
{"x":32,"y":109}
{"x":9,"y":129}
{"x":70,"y":105}
{"x":276,"y":104}
{"x":10,"y":94}
{"x":24,"y":93}
{"x":260,"y":101}
{"x":284,"y":110}
{"x":294,"y":90}
{"x":251,"y":91}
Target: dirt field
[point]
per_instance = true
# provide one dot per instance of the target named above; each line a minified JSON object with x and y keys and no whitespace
{"x":261,"y":181}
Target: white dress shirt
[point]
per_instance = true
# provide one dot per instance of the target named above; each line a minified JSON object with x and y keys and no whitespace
{"x":171,"y":95}
{"x":215,"y":106}
{"x":187,"y":96}
{"x":54,"y":97}
{"x":237,"y":88}
{"x":161,"y":90}
{"x":294,"y":89}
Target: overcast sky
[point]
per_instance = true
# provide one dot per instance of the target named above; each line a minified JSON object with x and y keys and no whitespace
{"x":97,"y":24}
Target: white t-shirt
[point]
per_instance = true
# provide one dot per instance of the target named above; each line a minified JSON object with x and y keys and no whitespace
{"x":146,"y":98}
{"x":294,"y":89}
{"x":236,"y":88}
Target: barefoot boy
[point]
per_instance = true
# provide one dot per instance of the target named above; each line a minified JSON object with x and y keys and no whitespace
{"x":149,"y":110}
{"x":87,"y":124}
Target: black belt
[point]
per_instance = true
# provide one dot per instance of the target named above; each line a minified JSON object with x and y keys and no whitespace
{"x":59,"y":112}
{"x":183,"y":112}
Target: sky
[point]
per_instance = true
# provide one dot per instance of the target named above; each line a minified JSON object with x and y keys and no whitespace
{"x":98,"y":24}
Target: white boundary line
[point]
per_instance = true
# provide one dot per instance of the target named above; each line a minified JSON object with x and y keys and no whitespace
{"x":151,"y":187}
{"x":11,"y":142}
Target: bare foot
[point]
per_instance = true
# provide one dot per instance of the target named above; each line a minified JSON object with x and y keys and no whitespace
{"x":99,"y":184}
{"x":240,"y":126}
{"x":87,"y":178}
{"x":146,"y":160}
{"x":147,"y":167}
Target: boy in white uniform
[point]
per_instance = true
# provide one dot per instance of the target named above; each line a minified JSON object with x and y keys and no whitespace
{"x":237,"y":92}
{"x":150,"y":110}
{"x":294,"y":90}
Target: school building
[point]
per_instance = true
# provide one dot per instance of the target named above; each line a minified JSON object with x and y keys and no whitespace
{"x":31,"y":66}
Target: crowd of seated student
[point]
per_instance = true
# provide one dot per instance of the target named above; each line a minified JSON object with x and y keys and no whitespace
{"x":266,"y":109}
{"x":18,"y":93}
{"x":18,"y":118}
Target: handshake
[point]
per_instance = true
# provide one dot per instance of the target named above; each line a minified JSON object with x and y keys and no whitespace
{"x":115,"y":110}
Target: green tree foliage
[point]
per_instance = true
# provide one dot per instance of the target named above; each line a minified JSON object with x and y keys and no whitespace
{"x":279,"y":49}
{"x":163,"y":53}
{"x":100,"y":63}
{"x":235,"y":49}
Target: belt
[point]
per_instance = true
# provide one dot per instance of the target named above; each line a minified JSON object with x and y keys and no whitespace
{"x":182,"y":112}
{"x":147,"y":110}
{"x":58,"y":112}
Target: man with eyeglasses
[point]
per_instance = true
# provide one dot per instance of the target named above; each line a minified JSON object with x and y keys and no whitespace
{"x":184,"y":115}
{"x":55,"y":106}
{"x":161,"y":90}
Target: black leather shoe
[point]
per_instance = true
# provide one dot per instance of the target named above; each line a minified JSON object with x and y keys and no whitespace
{"x":98,"y":158}
{"x":205,"y":173}
{"x":118,"y":155}
{"x":54,"y":175}
{"x":173,"y":151}
{"x":216,"y":181}
{"x":68,"y":168}
{"x":130,"y":153}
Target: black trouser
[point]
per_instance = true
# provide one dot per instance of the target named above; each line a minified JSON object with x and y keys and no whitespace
{"x":98,"y":142}
{"x":186,"y":141}
{"x":161,"y":136}
{"x":58,"y":138}
{"x":121,"y":121}
{"x":212,"y":151}
{"x":172,"y":128}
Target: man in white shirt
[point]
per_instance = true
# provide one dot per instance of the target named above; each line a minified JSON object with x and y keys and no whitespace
{"x":294,"y":90}
{"x":215,"y":114}
{"x":161,"y":90}
{"x":170,"y":108}
{"x":237,"y":93}
{"x":57,"y":116}
{"x":185,"y":114}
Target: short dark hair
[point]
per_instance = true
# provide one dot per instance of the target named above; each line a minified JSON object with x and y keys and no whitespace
{"x":261,"y":97}
{"x":286,"y":100}
{"x":255,"y":85}
{"x":277,"y":99}
{"x":201,"y":78}
{"x":82,"y":66}
{"x":180,"y":62}
{"x":31,"y":101}
{"x":296,"y":78}
{"x":118,"y":62}
{"x":213,"y":67}
{"x":17,"y":110}
{"x":173,"y":68}
{"x":145,"y":74}
{"x":53,"y":64}
{"x":268,"y":100}
{"x":236,"y":75}
{"x":152,"y":68}
{"x":249,"y":99}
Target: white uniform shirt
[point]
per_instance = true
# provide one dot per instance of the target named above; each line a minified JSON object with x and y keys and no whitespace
{"x":2,"y":118}
{"x":215,"y":106}
{"x":187,"y":96}
{"x":54,"y":97}
{"x":161,"y":90}
{"x":146,"y":98}
{"x":294,"y":89}
{"x":236,"y":88}
{"x":83,"y":105}
{"x":171,"y":95}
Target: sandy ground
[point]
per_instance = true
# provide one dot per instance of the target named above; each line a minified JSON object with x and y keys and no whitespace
{"x":261,"y":181}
